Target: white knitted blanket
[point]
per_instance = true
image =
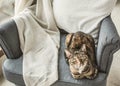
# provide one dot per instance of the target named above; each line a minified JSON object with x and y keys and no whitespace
{"x":37,"y":22}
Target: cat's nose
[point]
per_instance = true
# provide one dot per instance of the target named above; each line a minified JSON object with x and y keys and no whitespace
{"x":76,"y":73}
{"x":79,"y":61}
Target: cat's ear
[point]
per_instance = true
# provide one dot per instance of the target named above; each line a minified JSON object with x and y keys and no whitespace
{"x":68,"y":54}
{"x":67,"y":40}
{"x":83,"y":48}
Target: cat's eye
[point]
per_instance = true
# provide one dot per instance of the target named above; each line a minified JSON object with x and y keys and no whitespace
{"x":78,"y":47}
{"x":75,"y":39}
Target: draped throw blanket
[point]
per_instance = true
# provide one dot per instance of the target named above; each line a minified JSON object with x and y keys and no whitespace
{"x":38,"y":22}
{"x":39,"y":37}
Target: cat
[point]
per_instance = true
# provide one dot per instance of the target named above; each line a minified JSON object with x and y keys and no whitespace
{"x":80,"y":55}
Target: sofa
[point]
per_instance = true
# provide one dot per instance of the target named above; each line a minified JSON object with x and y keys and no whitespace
{"x":108,"y":44}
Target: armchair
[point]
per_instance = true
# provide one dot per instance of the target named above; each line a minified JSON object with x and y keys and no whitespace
{"x":108,"y":43}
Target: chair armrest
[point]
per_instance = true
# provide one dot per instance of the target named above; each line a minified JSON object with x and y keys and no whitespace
{"x":108,"y":44}
{"x":9,"y":40}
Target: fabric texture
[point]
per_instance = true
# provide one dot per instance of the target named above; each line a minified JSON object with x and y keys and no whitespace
{"x":6,"y":10}
{"x":9,"y":40}
{"x":13,"y":67}
{"x":82,"y":15}
{"x":109,"y":43}
{"x":40,"y":37}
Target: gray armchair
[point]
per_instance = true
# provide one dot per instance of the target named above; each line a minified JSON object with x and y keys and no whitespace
{"x":108,"y":43}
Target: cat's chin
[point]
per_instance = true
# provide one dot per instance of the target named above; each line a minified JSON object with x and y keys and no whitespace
{"x":77,"y":76}
{"x":80,"y":75}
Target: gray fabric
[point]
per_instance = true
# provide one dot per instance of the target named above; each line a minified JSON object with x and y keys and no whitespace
{"x":12,"y":70}
{"x":108,"y":43}
{"x":9,"y":39}
{"x":59,"y":83}
{"x":14,"y":65}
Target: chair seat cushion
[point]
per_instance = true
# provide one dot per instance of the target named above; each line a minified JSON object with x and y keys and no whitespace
{"x":13,"y":72}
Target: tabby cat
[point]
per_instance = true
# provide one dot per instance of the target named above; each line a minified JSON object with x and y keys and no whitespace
{"x":80,"y":55}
